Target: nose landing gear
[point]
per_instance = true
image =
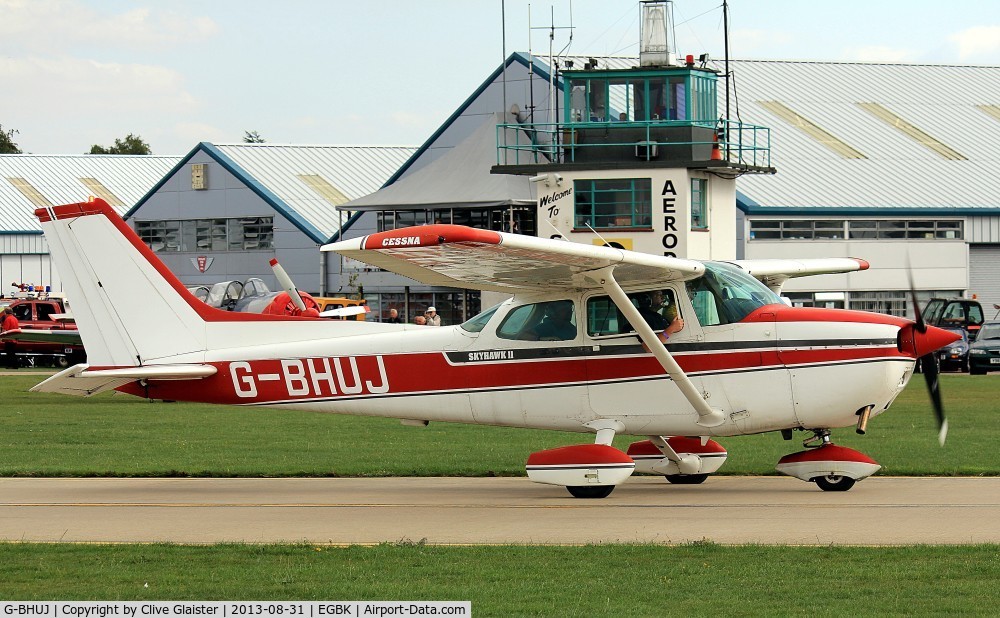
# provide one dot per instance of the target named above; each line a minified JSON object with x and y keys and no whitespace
{"x":831,"y":467}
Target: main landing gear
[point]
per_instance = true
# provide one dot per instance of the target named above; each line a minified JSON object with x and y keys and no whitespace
{"x":831,"y":467}
{"x":594,"y":470}
{"x":681,"y":460}
{"x":585,"y":470}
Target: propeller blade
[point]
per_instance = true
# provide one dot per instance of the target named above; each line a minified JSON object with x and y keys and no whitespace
{"x":930,"y":367}
{"x":287,"y":285}
{"x":921,"y":327}
{"x":928,"y":362}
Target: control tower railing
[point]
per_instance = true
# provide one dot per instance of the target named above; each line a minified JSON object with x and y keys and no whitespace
{"x":739,"y":144}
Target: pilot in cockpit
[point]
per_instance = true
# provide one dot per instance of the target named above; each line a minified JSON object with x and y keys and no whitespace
{"x":659,"y":314}
{"x":558,"y":322}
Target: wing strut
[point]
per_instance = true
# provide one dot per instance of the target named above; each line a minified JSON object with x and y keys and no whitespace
{"x":709,"y":416}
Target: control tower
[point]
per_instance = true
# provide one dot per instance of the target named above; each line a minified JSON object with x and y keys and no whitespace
{"x":641,"y":158}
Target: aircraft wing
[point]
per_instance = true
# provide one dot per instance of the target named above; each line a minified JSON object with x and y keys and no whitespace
{"x":464,"y":257}
{"x":66,"y":337}
{"x":79,"y":380}
{"x":774,"y":273}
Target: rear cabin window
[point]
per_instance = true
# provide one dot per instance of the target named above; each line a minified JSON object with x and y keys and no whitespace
{"x":548,"y":321}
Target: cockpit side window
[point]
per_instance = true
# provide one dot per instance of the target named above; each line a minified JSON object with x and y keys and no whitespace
{"x":548,"y":321}
{"x":657,"y":307}
{"x":725,"y":294}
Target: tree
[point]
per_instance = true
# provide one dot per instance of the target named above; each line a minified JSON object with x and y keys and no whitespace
{"x":131,"y":145}
{"x":252,"y":137}
{"x":7,"y":145}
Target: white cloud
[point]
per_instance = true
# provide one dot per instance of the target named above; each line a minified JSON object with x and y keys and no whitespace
{"x":750,"y":43}
{"x":70,"y":85}
{"x":879,"y":53}
{"x":69,"y":23}
{"x":409,"y":120}
{"x":64,"y":104}
{"x":979,"y":42}
{"x":190,"y":133}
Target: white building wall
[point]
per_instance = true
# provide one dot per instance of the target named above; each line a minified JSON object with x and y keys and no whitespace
{"x":983,"y":229}
{"x":24,"y":258}
{"x":984,"y":276}
{"x":719,"y":241}
{"x":670,"y":232}
{"x":937,"y":265}
{"x":32,"y":269}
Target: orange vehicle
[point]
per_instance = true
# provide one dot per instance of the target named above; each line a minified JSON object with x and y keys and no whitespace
{"x":347,"y":308}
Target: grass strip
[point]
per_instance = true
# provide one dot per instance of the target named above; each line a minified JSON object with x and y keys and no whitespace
{"x":596,"y":580}
{"x":120,"y":435}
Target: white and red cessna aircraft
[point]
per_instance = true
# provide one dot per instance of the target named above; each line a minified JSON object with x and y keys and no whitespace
{"x":577,"y":348}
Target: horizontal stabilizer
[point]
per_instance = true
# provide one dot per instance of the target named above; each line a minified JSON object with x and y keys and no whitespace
{"x":79,"y":380}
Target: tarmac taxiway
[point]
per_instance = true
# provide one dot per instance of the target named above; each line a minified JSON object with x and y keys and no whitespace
{"x":729,"y":510}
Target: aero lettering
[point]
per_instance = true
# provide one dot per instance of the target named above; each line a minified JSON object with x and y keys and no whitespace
{"x":669,"y":218}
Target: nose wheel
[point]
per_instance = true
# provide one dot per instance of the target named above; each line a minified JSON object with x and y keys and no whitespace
{"x":834,"y":482}
{"x":590,"y":491}
{"x":831,"y":467}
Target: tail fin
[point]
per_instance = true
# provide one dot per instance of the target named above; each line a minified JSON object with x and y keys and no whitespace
{"x":129,"y":307}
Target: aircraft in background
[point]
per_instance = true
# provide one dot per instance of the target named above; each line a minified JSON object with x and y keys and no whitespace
{"x":579,"y":347}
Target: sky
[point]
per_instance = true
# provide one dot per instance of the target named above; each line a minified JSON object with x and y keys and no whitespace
{"x":74,"y":73}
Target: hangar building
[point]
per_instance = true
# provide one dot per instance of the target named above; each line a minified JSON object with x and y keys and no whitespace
{"x":886,"y":162}
{"x":224,"y":210}
{"x":28,"y":182}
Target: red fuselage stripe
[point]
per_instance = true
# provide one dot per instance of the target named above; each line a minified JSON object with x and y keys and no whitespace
{"x":262,"y":381}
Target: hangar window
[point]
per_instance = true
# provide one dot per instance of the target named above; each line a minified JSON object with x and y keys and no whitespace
{"x":897,"y":229}
{"x":160,"y":236}
{"x":613,"y":203}
{"x":860,"y":229}
{"x":797,"y":229}
{"x":204,"y":235}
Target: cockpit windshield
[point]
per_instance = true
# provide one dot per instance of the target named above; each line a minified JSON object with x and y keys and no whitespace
{"x":477,"y":323}
{"x":726,"y":294}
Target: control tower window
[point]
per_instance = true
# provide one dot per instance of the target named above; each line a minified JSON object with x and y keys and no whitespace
{"x":613,"y":203}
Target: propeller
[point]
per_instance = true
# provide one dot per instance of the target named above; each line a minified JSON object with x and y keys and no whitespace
{"x":927,"y":362}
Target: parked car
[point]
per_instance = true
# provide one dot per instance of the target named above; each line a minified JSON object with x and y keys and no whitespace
{"x":954,"y":313}
{"x":984,"y":352}
{"x":955,"y":355}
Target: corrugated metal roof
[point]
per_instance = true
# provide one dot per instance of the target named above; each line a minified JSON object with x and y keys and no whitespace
{"x":944,"y":101}
{"x":354,"y":171}
{"x":57,"y":178}
{"x":899,"y":172}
